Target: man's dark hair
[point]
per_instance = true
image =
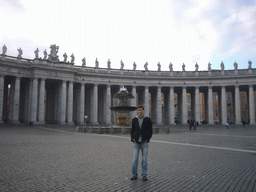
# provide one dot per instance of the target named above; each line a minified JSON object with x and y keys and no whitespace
{"x":140,"y":107}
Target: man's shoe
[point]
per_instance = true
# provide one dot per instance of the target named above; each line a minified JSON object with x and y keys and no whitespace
{"x":144,"y":178}
{"x":133,"y":178}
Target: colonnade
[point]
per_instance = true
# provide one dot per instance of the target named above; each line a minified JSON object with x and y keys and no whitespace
{"x":44,"y":100}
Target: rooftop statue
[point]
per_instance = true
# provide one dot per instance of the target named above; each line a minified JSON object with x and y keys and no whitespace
{"x":36,"y":53}
{"x":209,"y":66}
{"x":96,"y":64}
{"x":72,"y":58}
{"x":122,"y":65}
{"x":235,"y":66}
{"x":20,"y":53}
{"x":171,"y":67}
{"x":53,"y":57}
{"x":222,"y":66}
{"x":146,"y":66}
{"x":4,"y":50}
{"x":183,"y":67}
{"x":134,"y":66}
{"x":249,"y":64}
{"x":45,"y":54}
{"x":65,"y":57}
{"x":109,"y":64}
{"x":158,"y":66}
{"x":197,"y":66}
{"x":84,"y":62}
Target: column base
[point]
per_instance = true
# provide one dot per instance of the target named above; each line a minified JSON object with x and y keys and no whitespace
{"x":40,"y":122}
{"x":15,"y":121}
{"x":70,"y":123}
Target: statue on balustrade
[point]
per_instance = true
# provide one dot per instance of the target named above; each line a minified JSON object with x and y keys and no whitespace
{"x":36,"y":53}
{"x":249,"y":64}
{"x":20,"y":53}
{"x":222,"y":66}
{"x":4,"y":50}
{"x":122,"y":65}
{"x":183,"y":67}
{"x":134,"y":66}
{"x":196,"y":66}
{"x":235,"y":66}
{"x":171,"y":67}
{"x":45,"y":54}
{"x":209,"y":66}
{"x":65,"y":57}
{"x":96,"y":64}
{"x":109,"y":64}
{"x":146,"y":66}
{"x":72,"y":58}
{"x":158,"y":66}
{"x":53,"y":57}
{"x":84,"y":62}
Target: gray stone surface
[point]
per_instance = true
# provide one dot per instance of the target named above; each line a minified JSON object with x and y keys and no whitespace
{"x":58,"y":158}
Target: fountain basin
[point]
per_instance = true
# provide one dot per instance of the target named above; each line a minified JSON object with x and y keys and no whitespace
{"x":123,"y":108}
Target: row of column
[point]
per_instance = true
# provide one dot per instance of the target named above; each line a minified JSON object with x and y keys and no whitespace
{"x":36,"y":110}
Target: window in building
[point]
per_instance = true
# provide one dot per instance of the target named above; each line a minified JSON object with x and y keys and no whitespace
{"x":215,"y":97}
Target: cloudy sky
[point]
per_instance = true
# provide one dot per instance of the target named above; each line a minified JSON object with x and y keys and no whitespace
{"x":140,"y":31}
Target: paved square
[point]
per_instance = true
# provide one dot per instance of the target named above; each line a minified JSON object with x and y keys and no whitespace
{"x":211,"y":158}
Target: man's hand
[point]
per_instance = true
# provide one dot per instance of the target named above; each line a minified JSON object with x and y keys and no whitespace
{"x":133,"y":140}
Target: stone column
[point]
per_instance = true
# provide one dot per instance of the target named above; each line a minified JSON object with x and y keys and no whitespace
{"x":197,"y":105}
{"x":33,"y":105}
{"x":223,"y":105}
{"x":63,"y":102}
{"x":171,"y":107}
{"x":1,"y":98}
{"x":146,"y":101}
{"x":16,"y":101}
{"x":94,"y":117}
{"x":108,"y":105}
{"x":251,"y":105}
{"x":134,"y":93}
{"x":70,"y":103}
{"x":210,"y":106}
{"x":184,"y":106}
{"x":159,"y":107}
{"x":81,"y":111}
{"x":237,"y":106}
{"x":41,"y":108}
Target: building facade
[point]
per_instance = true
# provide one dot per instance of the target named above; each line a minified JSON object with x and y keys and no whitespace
{"x":41,"y":91}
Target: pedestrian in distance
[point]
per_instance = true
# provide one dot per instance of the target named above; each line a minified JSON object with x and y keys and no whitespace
{"x":189,"y":124}
{"x":227,"y":125}
{"x":141,"y":134}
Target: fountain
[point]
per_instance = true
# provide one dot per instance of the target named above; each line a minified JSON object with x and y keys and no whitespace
{"x":123,"y":118}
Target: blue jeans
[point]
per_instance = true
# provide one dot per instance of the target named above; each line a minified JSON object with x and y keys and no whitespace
{"x":144,"y":164}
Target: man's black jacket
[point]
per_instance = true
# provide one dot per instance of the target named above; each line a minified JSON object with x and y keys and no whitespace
{"x":145,"y":131}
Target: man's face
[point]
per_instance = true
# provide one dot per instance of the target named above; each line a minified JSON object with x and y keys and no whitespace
{"x":140,"y":112}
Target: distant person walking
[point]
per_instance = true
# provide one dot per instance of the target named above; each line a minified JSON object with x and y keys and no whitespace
{"x":227,"y":125}
{"x":141,"y":134}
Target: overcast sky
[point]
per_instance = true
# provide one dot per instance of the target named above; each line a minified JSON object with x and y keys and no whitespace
{"x":140,"y":31}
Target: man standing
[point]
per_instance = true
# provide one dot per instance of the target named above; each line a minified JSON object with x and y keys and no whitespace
{"x":141,"y":134}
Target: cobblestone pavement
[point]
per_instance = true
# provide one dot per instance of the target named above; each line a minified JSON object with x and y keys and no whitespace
{"x":211,"y":158}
